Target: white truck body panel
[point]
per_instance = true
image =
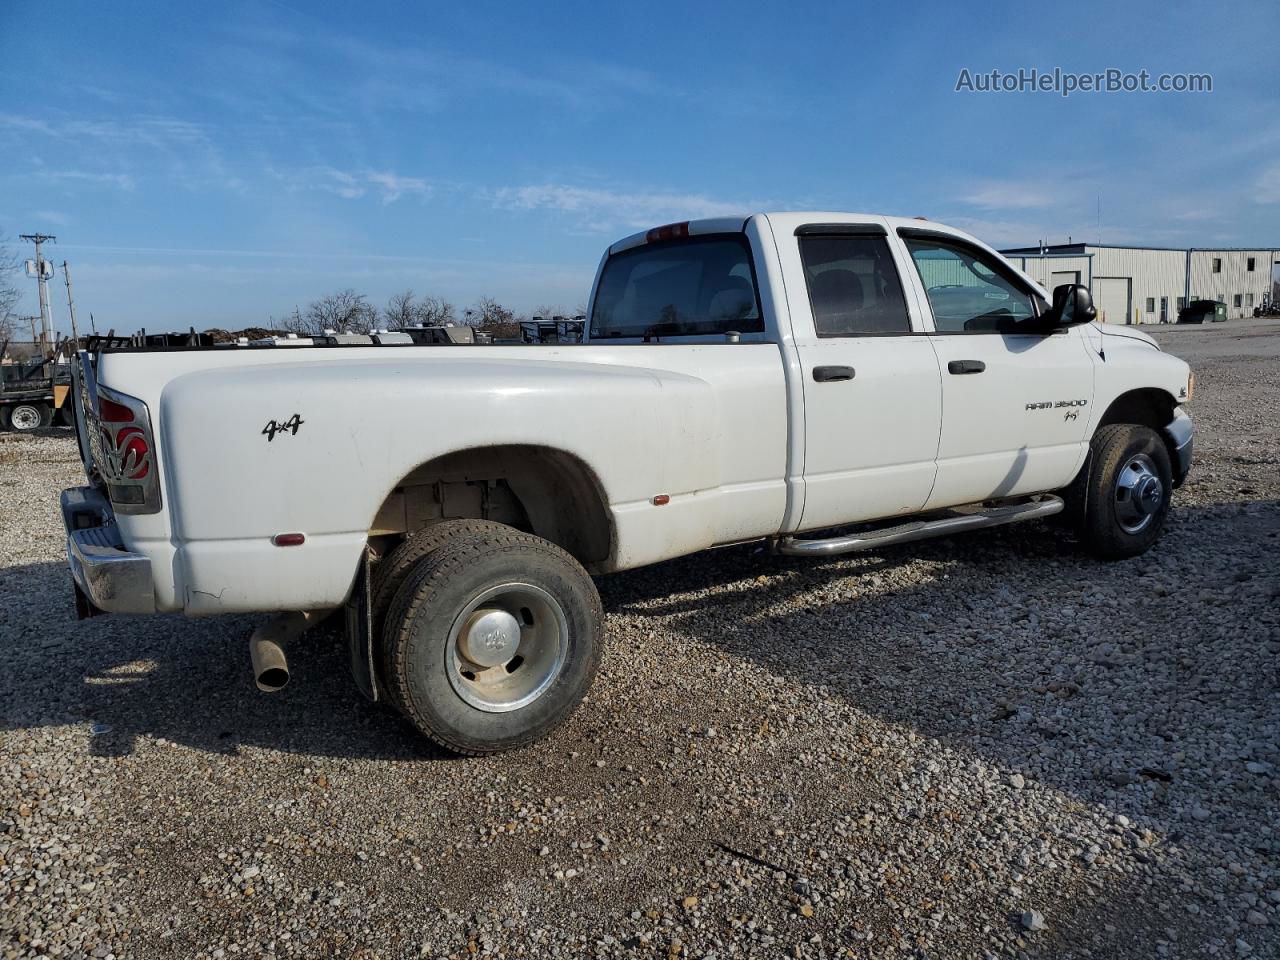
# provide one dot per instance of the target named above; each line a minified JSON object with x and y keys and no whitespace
{"x":740,"y":437}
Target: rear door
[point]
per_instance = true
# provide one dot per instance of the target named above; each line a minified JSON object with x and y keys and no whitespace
{"x":1015,"y":403}
{"x":872,"y":390}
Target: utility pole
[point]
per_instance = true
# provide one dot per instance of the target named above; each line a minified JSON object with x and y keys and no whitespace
{"x":42,"y":282}
{"x":71,"y":304}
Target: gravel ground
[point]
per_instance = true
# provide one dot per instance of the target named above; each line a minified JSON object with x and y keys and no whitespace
{"x":985,"y":746}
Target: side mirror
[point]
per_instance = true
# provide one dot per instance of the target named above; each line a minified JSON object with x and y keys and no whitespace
{"x":1073,"y":304}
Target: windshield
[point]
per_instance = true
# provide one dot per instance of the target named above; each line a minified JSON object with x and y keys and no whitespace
{"x":701,"y":285}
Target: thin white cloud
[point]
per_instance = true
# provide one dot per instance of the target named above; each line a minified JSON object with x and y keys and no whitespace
{"x":395,"y":186}
{"x":599,"y":209}
{"x":1268,"y":185}
{"x":352,"y":185}
{"x":1007,"y":195}
{"x":122,"y":181}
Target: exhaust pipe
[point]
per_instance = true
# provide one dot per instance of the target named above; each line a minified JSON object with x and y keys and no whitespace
{"x":267,"y":645}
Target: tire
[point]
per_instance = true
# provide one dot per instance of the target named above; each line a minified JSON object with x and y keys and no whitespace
{"x":492,"y":596}
{"x":1127,"y":492}
{"x":66,"y":416}
{"x":392,"y":570}
{"x":24,"y":417}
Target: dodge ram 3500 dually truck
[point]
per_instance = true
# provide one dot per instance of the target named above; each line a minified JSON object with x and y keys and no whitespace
{"x":769,"y":377}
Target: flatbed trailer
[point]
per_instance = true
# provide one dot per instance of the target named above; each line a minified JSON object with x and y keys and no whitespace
{"x":34,"y":393}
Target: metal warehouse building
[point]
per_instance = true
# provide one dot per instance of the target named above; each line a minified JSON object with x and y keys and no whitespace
{"x":1151,"y":284}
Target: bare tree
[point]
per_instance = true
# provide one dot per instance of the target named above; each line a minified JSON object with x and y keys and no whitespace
{"x":345,"y":312}
{"x":9,"y":292}
{"x":400,"y":310}
{"x":433,"y":311}
{"x":488,"y":312}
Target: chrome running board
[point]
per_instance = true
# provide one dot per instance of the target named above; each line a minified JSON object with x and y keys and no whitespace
{"x":956,"y":521}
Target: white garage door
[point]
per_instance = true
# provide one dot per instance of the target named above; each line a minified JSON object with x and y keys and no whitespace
{"x":1111,"y":297}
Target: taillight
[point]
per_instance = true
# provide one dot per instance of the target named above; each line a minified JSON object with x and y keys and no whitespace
{"x":127,"y":465}
{"x":111,"y":412}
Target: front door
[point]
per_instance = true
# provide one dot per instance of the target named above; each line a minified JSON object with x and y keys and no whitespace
{"x":872,"y":390}
{"x":1015,"y":404}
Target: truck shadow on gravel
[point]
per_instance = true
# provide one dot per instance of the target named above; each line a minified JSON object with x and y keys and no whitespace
{"x":1012,"y":646}
{"x":947,"y":636}
{"x":185,"y":681}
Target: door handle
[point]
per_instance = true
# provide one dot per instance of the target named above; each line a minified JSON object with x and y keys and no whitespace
{"x":831,"y":374}
{"x":966,"y":366}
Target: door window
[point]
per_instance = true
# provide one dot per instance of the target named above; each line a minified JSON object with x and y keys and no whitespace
{"x":969,"y":291}
{"x":854,"y":288}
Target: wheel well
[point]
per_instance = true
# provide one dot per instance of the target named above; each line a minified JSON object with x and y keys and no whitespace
{"x":1149,"y":407}
{"x":541,"y":490}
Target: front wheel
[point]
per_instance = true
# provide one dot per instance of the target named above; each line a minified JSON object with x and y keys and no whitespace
{"x":492,"y":641}
{"x":1127,"y":491}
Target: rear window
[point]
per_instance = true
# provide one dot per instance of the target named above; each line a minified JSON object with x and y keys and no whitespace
{"x":702,"y":285}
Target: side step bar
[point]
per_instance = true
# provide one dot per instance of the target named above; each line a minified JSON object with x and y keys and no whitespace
{"x":956,"y":521}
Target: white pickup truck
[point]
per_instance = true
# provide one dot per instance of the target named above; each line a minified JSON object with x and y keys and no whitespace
{"x":769,"y":377}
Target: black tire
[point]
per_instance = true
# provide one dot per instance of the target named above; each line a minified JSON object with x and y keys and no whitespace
{"x":392,"y":570}
{"x":1127,"y":493}
{"x":24,"y":417}
{"x":425,"y":638}
{"x":4,"y":417}
{"x":66,"y":416}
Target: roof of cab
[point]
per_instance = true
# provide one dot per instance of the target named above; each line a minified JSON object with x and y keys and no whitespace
{"x":784,"y":221}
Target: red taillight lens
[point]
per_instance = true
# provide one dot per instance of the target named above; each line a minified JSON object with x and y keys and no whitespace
{"x":131,"y":443}
{"x":111,"y":412}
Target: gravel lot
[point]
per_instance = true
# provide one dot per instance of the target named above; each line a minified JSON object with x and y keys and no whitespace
{"x":961,"y":748}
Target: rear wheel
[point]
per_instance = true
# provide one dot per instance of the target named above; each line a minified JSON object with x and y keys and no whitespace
{"x":29,"y":416}
{"x":392,"y":570}
{"x":1127,"y":492}
{"x":492,"y":641}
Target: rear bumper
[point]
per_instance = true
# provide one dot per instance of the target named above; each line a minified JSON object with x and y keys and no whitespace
{"x":1180,"y":434}
{"x":108,"y":577}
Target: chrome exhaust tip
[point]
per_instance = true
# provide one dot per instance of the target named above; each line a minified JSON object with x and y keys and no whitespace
{"x":267,"y":647}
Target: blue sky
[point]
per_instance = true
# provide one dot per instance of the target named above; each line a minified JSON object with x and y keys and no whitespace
{"x":216,"y":164}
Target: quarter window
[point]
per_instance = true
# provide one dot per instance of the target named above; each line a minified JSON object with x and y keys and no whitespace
{"x":968,"y":291}
{"x":854,"y":287}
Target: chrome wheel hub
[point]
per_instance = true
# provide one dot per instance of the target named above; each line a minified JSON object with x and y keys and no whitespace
{"x":489,"y":637}
{"x":506,"y":647}
{"x":1139,"y":494}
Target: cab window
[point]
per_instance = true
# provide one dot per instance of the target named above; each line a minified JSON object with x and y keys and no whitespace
{"x":690,"y":287}
{"x":969,"y":291}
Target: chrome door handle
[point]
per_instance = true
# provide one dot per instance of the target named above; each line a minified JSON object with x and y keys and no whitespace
{"x":832,"y":374}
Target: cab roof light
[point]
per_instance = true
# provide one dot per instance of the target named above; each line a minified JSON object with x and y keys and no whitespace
{"x":670,"y":231}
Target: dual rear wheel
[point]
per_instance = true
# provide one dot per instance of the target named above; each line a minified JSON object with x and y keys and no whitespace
{"x":489,"y":637}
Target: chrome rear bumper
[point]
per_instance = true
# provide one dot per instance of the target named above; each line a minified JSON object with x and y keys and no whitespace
{"x":108,"y":577}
